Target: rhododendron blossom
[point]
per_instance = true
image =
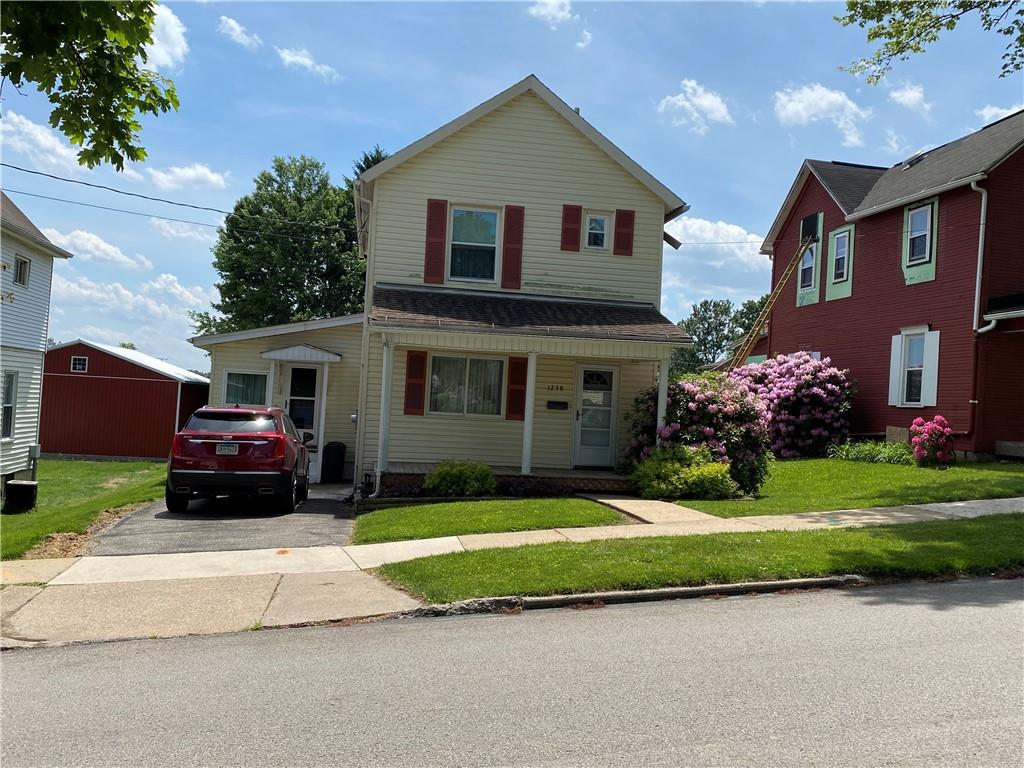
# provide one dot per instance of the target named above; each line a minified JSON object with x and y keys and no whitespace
{"x":932,"y":441}
{"x":808,"y":402}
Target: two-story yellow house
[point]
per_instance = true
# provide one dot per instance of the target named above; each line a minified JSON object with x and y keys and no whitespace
{"x":513,"y":286}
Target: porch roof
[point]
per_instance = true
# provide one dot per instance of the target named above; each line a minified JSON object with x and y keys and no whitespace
{"x":446,"y":309}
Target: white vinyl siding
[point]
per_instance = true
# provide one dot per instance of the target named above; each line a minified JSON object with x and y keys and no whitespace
{"x":914,"y":368}
{"x":525,"y":154}
{"x":25,"y":318}
{"x":28,"y":367}
{"x":342,"y":380}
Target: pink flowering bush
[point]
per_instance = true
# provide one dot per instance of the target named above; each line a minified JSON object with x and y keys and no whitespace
{"x":706,"y":410}
{"x":932,"y":442}
{"x":808,"y":402}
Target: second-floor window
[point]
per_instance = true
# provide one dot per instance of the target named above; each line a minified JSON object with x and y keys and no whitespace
{"x":474,"y":244}
{"x":840,"y":263}
{"x":807,"y":269}
{"x":22,"y":268}
{"x":919,"y":246}
{"x":597,"y":230}
{"x":79,"y":364}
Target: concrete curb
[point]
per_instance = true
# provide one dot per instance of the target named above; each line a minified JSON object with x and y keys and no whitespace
{"x":513,"y":603}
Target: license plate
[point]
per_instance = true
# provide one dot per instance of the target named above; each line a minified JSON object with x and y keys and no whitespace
{"x":227,"y":449}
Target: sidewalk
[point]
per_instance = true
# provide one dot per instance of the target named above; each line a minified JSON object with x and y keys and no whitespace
{"x":112,"y":597}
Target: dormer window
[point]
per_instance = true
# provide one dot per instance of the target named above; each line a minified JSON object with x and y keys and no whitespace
{"x":474,"y":244}
{"x":597,"y":231}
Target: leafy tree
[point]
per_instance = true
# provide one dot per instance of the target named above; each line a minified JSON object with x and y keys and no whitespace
{"x":51,"y":342}
{"x":287,"y":252}
{"x":710,"y":326}
{"x":89,"y":59}
{"x":906,"y":28}
{"x":127,"y":345}
{"x":744,"y":317}
{"x":367,"y":160}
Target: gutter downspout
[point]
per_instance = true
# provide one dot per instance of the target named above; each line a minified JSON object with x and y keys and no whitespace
{"x":975,"y":320}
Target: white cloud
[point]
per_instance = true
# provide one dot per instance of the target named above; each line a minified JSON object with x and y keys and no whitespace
{"x":168,"y":286}
{"x":110,"y":297}
{"x":89,"y":246}
{"x":723,"y":243}
{"x":178,"y":230}
{"x":990,"y":113}
{"x":911,"y":96}
{"x":811,"y":103}
{"x":300,"y":58}
{"x":239,"y":34}
{"x":696,"y":107}
{"x":895,"y":143}
{"x":195,"y":175}
{"x":585,"y":39}
{"x":43,"y":146}
{"x":169,"y":46}
{"x":553,"y":12}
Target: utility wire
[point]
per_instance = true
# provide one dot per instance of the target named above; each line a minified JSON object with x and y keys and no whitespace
{"x":161,"y":199}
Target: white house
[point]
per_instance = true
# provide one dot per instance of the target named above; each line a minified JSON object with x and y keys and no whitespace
{"x":513,"y":284}
{"x":27,"y":258}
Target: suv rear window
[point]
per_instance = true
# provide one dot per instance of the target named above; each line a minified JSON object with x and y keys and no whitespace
{"x":231,"y":422}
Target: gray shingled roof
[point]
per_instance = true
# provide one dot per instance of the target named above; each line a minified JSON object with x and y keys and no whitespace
{"x":461,"y":310}
{"x":848,"y":183}
{"x":940,"y":167}
{"x":13,"y":215}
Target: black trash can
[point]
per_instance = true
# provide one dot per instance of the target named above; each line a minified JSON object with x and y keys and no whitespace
{"x":333,"y":468}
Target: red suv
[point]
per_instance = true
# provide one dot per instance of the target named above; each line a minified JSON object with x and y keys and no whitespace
{"x":237,"y":452}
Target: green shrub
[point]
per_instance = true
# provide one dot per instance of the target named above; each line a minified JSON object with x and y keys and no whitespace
{"x":679,"y":472}
{"x":873,"y":451}
{"x":460,"y":478}
{"x":709,"y":481}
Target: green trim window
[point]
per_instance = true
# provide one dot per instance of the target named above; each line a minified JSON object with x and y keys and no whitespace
{"x":920,"y":233}
{"x":840,"y":263}
{"x":810,"y":264}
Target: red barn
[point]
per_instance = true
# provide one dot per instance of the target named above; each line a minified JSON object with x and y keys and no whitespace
{"x":915,"y":283}
{"x":100,"y":400}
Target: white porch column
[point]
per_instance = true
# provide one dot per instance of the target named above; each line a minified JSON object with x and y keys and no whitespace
{"x":663,"y":366}
{"x":270,"y":382}
{"x":531,"y":388}
{"x":321,"y":426}
{"x":385,"y":406}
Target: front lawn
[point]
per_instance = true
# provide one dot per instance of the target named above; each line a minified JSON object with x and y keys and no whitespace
{"x":426,"y":521}
{"x":982,"y":545}
{"x":819,"y":485}
{"x":73,"y":493}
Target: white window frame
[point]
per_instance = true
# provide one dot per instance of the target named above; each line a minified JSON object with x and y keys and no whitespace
{"x":845,"y":236}
{"x":85,"y":360}
{"x":927,"y":207}
{"x":906,"y":369}
{"x":587,"y":217}
{"x":13,"y":405}
{"x":266,"y":384}
{"x":499,"y":223}
{"x":502,"y":394}
{"x":18,"y":261}
{"x":800,"y":270}
{"x":929,"y":368}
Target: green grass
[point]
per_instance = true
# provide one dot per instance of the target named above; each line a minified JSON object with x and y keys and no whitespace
{"x":970,"y":546}
{"x":819,"y":485}
{"x":425,"y":521}
{"x":73,"y":493}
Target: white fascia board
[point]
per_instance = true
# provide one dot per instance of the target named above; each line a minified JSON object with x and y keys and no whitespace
{"x":27,"y":238}
{"x":276,"y":330}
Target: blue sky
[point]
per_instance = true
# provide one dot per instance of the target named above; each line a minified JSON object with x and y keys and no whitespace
{"x":719,"y":101}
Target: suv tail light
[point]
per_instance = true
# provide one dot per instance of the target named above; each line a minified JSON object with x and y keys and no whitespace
{"x":278,"y":448}
{"x":176,"y":447}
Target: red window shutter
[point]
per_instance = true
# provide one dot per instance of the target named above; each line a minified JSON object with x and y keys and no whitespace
{"x":572,"y":225}
{"x":437,"y":236}
{"x":512,"y":248}
{"x":624,"y":233}
{"x":515,"y":392}
{"x":415,"y":382}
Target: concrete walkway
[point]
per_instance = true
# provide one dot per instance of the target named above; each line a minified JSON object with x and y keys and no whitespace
{"x":162,"y":595}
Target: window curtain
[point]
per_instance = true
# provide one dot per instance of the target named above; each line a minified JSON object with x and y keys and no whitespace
{"x":246,"y":388}
{"x":484,"y":387}
{"x":448,"y":385}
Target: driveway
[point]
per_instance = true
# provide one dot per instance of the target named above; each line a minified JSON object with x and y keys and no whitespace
{"x":223,"y":524}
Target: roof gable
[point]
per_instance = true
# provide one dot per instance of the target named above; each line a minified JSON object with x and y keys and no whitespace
{"x":674,"y":205}
{"x":14,"y":219}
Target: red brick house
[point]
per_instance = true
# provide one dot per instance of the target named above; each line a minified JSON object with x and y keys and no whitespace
{"x":915,"y":283}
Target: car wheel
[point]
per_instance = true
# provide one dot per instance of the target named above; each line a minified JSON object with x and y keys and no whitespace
{"x":303,"y":493}
{"x":176,"y":502}
{"x":289,"y":498}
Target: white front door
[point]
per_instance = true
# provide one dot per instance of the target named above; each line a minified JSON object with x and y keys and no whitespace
{"x":301,"y":397}
{"x":594,"y":443}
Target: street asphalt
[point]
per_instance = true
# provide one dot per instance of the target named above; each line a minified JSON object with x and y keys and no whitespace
{"x":230,"y":524}
{"x":925,"y":674}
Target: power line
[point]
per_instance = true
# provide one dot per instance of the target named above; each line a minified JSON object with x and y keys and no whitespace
{"x":155,"y":216}
{"x":162,"y":199}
